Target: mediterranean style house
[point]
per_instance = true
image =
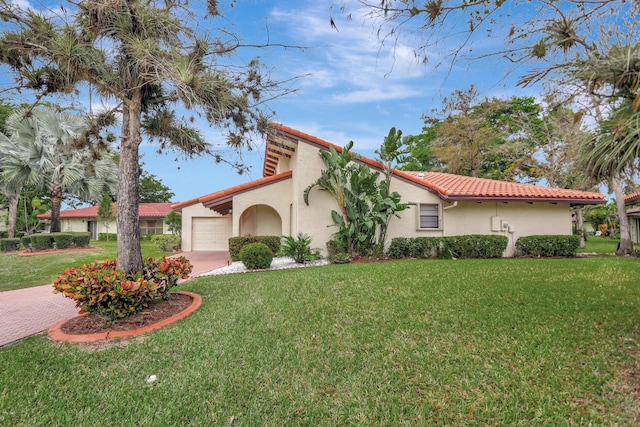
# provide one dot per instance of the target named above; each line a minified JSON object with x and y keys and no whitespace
{"x":442,"y":204}
{"x":634,"y":216}
{"x":152,"y":219}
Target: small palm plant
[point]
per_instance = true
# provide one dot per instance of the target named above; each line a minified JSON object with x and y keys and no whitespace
{"x":297,"y":248}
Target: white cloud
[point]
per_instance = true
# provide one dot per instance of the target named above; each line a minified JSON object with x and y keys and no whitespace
{"x":348,"y":59}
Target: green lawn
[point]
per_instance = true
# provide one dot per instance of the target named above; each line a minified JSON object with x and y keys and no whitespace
{"x":600,"y":245}
{"x":467,"y":342}
{"x":18,"y":272}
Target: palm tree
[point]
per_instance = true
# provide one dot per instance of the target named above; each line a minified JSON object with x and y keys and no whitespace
{"x":611,"y":77}
{"x":17,"y":134}
{"x":148,"y":57}
{"x":46,"y":155}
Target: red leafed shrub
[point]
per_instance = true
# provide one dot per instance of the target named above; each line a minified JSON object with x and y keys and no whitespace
{"x":166,"y":272}
{"x":102,"y":289}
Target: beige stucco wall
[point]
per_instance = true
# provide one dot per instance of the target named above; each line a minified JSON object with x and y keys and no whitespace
{"x":260,"y":220}
{"x":79,"y":224}
{"x":266,"y":203}
{"x":315,"y":219}
{"x":253,"y":214}
{"x":188,"y":213}
{"x":521,"y":219}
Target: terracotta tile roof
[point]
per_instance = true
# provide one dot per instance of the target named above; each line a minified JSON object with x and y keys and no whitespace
{"x":466,"y":188}
{"x":455,"y":187}
{"x":632,"y":199}
{"x":224,"y":196}
{"x":146,"y":210}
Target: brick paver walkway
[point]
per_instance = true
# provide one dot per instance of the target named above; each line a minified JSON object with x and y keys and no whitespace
{"x":25,"y":312}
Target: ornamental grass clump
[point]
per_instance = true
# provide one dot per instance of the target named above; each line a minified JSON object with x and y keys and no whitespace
{"x":102,"y":289}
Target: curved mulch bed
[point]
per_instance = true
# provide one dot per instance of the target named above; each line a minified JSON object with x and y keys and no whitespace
{"x":91,"y":328}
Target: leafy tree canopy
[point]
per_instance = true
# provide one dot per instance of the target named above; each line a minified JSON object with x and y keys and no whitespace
{"x":152,"y":58}
{"x":152,"y":190}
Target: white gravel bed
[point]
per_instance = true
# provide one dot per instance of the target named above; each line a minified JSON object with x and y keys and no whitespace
{"x":279,"y":263}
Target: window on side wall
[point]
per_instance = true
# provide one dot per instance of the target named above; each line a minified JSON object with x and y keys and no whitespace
{"x":429,"y":216}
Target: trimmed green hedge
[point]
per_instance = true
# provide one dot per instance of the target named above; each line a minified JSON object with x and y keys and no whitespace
{"x":62,"y":240}
{"x":8,"y":245}
{"x":547,"y":246}
{"x":42,"y":241}
{"x":81,"y":239}
{"x":461,"y":247}
{"x":25,"y":240}
{"x":256,"y":256}
{"x":236,"y":244}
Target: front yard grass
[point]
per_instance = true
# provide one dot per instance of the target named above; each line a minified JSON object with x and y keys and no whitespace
{"x":600,"y":245}
{"x":468,"y":342}
{"x":17,"y":272}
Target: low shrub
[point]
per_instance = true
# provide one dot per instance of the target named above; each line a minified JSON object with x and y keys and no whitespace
{"x":256,"y":256}
{"x":4,"y":234}
{"x":237,"y":243}
{"x":469,"y":246}
{"x":102,"y":289}
{"x":108,"y":236}
{"x":62,"y":240}
{"x":25,"y":240}
{"x":81,"y":239}
{"x":335,"y":246}
{"x":166,"y":242}
{"x":547,"y":246}
{"x":41,"y":241}
{"x":8,"y":245}
{"x":476,"y":246}
{"x":297,"y":248}
{"x":166,"y":272}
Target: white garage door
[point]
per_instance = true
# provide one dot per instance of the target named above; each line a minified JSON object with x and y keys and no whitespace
{"x":210,"y":234}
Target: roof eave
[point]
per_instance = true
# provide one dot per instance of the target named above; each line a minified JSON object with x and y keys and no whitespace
{"x":573,"y":201}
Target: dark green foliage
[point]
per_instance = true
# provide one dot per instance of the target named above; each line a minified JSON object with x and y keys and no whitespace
{"x":297,"y":248}
{"x":336,"y":246}
{"x":7,"y":245}
{"x":418,"y":247}
{"x":25,"y":240}
{"x":62,"y":240}
{"x":459,"y":247}
{"x":236,"y":244}
{"x":166,"y":242}
{"x":476,"y":246}
{"x":174,"y":222}
{"x":81,"y":239}
{"x":109,"y":236}
{"x":152,"y":190}
{"x":256,"y":256}
{"x":548,"y":246}
{"x":3,"y":234}
{"x":41,"y":241}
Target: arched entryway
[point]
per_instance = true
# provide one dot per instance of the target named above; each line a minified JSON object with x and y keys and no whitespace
{"x":260,"y":220}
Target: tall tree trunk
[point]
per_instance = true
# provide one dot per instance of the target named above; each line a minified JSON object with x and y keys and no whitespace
{"x":129,"y":252}
{"x":56,"y":203}
{"x":580,"y":226}
{"x":13,"y":200}
{"x":626,"y":246}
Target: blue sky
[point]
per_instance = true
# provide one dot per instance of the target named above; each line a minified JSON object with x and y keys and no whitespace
{"x":354,"y":89}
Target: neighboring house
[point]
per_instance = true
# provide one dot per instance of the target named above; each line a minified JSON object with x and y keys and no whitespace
{"x":152,"y":219}
{"x":443,"y":204}
{"x":634,"y":216}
